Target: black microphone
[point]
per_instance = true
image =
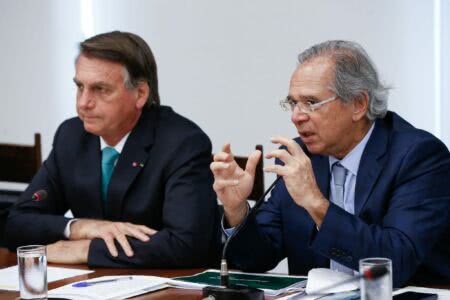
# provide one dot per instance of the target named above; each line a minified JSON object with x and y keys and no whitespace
{"x":372,"y":273}
{"x":37,"y":196}
{"x":236,"y":292}
{"x":223,"y":264}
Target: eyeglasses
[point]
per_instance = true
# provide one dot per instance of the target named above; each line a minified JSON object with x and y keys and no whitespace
{"x":307,"y":107}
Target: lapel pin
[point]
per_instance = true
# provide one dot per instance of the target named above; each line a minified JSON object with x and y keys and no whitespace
{"x":137,"y":164}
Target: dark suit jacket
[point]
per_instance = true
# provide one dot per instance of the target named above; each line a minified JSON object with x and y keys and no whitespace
{"x":171,"y":192}
{"x":402,"y":203}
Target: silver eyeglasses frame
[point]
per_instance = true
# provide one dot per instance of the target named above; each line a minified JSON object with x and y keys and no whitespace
{"x":287,"y":104}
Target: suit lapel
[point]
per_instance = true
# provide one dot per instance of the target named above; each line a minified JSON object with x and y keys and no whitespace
{"x":371,"y":165}
{"x":131,"y":162}
{"x":321,"y":169}
{"x":88,"y":175}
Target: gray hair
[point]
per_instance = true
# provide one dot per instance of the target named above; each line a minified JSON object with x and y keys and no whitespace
{"x":354,"y":74}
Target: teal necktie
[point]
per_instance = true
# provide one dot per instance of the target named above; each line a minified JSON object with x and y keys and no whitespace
{"x":109,"y":156}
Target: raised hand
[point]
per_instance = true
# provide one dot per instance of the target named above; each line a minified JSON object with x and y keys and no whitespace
{"x":233,"y":184}
{"x":298,"y":176}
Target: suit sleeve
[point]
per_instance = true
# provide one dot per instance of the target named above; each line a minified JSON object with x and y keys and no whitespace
{"x":189,"y":234}
{"x":39,"y":222}
{"x":416,"y":215}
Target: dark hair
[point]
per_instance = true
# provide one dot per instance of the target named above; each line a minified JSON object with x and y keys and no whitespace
{"x":130,"y":50}
{"x":354,"y":73}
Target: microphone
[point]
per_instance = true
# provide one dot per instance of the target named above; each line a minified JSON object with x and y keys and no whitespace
{"x":372,"y":273}
{"x":223,"y":264}
{"x":375,"y":272}
{"x":225,"y":291}
{"x":37,"y":196}
{"x":236,"y":292}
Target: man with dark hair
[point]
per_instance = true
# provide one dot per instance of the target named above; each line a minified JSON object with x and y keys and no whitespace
{"x":358,"y":182}
{"x":134,"y":174}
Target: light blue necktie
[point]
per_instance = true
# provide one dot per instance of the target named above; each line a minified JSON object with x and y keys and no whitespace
{"x":339,"y":175}
{"x":109,"y":156}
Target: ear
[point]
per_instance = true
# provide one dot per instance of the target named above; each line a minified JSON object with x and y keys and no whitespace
{"x":360,"y":106}
{"x":142,"y":92}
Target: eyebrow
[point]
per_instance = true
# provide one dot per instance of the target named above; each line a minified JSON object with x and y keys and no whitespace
{"x":290,"y":97}
{"x":98,"y":83}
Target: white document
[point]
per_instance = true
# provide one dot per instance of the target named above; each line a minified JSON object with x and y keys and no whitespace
{"x":9,"y":277}
{"x":120,"y":289}
{"x":321,"y":278}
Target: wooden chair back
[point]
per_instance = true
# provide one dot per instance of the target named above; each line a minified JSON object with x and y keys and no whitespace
{"x":19,"y":163}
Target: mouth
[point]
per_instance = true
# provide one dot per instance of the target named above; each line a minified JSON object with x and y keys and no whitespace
{"x":89,"y":117}
{"x":306,"y":136}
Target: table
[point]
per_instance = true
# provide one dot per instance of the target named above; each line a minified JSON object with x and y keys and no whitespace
{"x":8,"y":258}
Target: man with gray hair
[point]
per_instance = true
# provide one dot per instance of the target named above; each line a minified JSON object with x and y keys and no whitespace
{"x":358,"y":182}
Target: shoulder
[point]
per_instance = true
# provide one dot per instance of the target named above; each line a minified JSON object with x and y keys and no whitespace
{"x":403,"y":135}
{"x":175,"y":127}
{"x":171,"y":119}
{"x":412,"y":151}
{"x":70,"y":129}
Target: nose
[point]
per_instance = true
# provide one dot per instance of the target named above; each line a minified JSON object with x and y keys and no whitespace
{"x":298,"y":116}
{"x":84,"y":100}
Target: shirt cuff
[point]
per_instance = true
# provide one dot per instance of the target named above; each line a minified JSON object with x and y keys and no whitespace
{"x":67,"y":229}
{"x":229,"y":231}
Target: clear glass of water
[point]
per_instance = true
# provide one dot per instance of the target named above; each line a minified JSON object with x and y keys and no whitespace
{"x":32,"y":264}
{"x":380,"y":288}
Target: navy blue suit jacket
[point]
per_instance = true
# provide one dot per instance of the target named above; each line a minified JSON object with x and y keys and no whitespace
{"x":172,"y":192}
{"x":402,"y":203}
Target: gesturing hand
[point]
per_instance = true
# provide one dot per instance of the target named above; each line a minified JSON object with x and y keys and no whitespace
{"x":298,"y":176}
{"x":232,"y":184}
{"x":109,"y":231}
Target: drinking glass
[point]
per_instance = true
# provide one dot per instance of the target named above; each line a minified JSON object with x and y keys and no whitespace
{"x":32,"y":264}
{"x":378,"y":288}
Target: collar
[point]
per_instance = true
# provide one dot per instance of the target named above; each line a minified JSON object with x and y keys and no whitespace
{"x":352,"y":159}
{"x":118,"y":147}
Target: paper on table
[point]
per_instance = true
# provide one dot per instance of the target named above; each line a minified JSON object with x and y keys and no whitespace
{"x":121,"y":289}
{"x":321,"y":278}
{"x":9,"y":277}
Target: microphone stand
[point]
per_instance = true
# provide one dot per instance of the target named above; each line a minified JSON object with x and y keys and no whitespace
{"x":226,"y":291}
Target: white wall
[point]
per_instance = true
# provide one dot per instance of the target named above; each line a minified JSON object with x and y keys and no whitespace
{"x":223,"y":64}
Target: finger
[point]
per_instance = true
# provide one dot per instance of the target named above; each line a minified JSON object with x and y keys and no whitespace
{"x":277,"y":169}
{"x":223,"y":156}
{"x":219,"y":166}
{"x":134,"y":231}
{"x":123,"y":242}
{"x":220,"y":184}
{"x":290,"y":144}
{"x":109,"y":241}
{"x":281,"y":154}
{"x":252,"y":162}
{"x":226,"y":148}
{"x":147,"y":230}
